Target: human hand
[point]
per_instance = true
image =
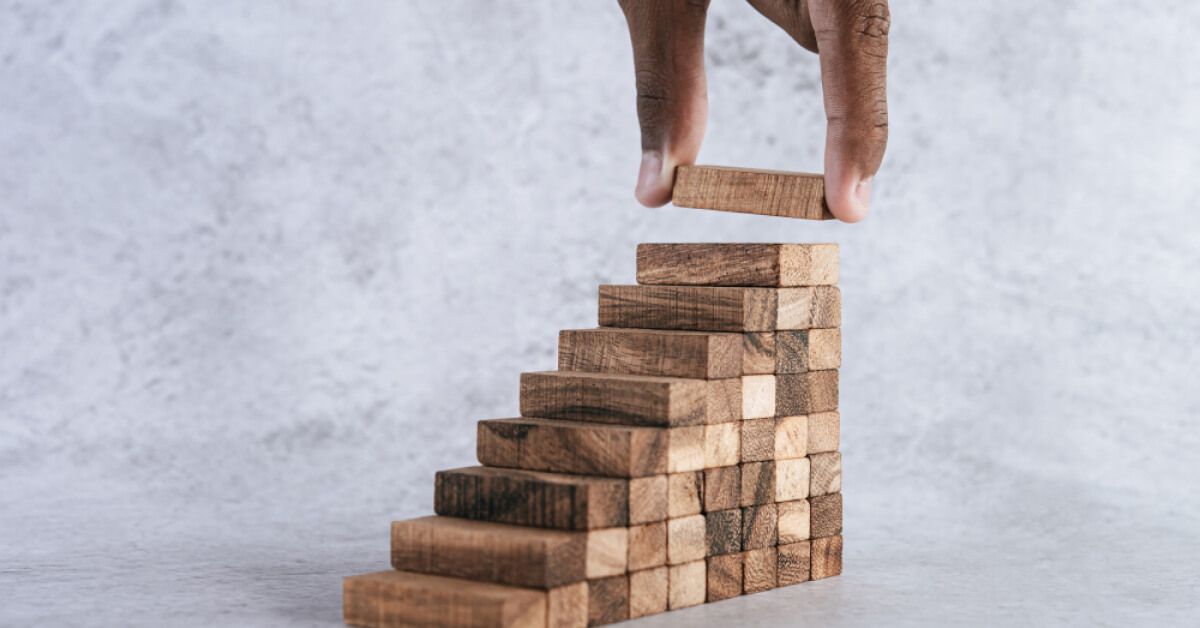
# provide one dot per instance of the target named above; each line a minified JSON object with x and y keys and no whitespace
{"x":851,"y":37}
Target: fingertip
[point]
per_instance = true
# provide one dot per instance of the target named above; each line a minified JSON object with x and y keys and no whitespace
{"x":654,"y":181}
{"x":850,"y":200}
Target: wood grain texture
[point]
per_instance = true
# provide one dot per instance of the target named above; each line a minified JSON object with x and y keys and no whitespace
{"x":792,"y":563}
{"x":647,"y":499}
{"x":723,"y":532}
{"x":806,"y":393}
{"x":751,"y":191}
{"x":799,"y":351}
{"x":685,"y":449}
{"x":825,"y":476}
{"x":760,"y":526}
{"x":703,"y":355}
{"x":760,"y":570}
{"x":607,"y":552}
{"x":761,"y":265}
{"x":589,"y":448}
{"x":826,"y":557}
{"x":531,"y":498}
{"x":758,"y":483}
{"x":758,"y":396}
{"x":608,"y":600}
{"x":825,"y":515}
{"x":689,"y":308}
{"x":724,"y":576}
{"x":643,"y":400}
{"x":490,"y":552}
{"x":791,"y":437}
{"x":722,"y":444}
{"x":647,"y":545}
{"x":792,"y":479}
{"x":824,"y":432}
{"x":685,"y":539}
{"x":399,"y":598}
{"x":686,"y":585}
{"x":685,"y":494}
{"x":793,"y":521}
{"x":758,"y":353}
{"x":567,"y":607}
{"x":648,"y":591}
{"x":817,"y":307}
{"x":758,"y":440}
{"x":722,"y":488}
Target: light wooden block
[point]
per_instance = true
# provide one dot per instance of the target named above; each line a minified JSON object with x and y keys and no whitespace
{"x":791,"y":479}
{"x":758,"y":483}
{"x":722,"y":444}
{"x":567,"y":607}
{"x":685,"y":494}
{"x":399,"y":598}
{"x":687,"y":585}
{"x":647,"y":545}
{"x":793,"y":563}
{"x":724,"y":576}
{"x":761,"y":265}
{"x":532,"y":498}
{"x":760,"y":570}
{"x":685,"y":448}
{"x":817,"y":307}
{"x":608,"y":600}
{"x":793,"y":521}
{"x":758,"y":396}
{"x":642,"y":400}
{"x":648,"y":592}
{"x":665,"y":353}
{"x":722,"y":488}
{"x":685,"y":539}
{"x":806,"y":393}
{"x":723,"y":532}
{"x":808,"y":350}
{"x":825,"y":476}
{"x":607,"y":552}
{"x":579,"y":447}
{"x":826,"y":557}
{"x":824,"y":432}
{"x":760,"y":526}
{"x":758,"y":353}
{"x":704,"y":308}
{"x":791,"y":437}
{"x":647,"y":499}
{"x":751,"y":191}
{"x":758,"y":440}
{"x":825,"y":515}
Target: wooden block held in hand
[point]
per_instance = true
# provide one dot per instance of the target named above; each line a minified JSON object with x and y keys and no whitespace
{"x":825,"y":515}
{"x":806,"y":393}
{"x":824,"y":432}
{"x":702,"y":355}
{"x":793,"y":563}
{"x":685,"y":494}
{"x":724,"y":576}
{"x":576,"y":447}
{"x":722,"y":488}
{"x":647,"y":499}
{"x":647,"y":545}
{"x":760,"y":570}
{"x":826,"y":557}
{"x":622,"y":399}
{"x":531,"y":498}
{"x":758,"y":353}
{"x":763,"y":265}
{"x":758,"y":483}
{"x":799,"y":351}
{"x":760,"y":526}
{"x":648,"y":592}
{"x":791,"y":437}
{"x":791,"y":479}
{"x":722,"y":444}
{"x":607,"y":552}
{"x":751,"y":191}
{"x":758,"y":440}
{"x":400,"y":598}
{"x":793,"y":521}
{"x":685,"y":539}
{"x":686,"y":584}
{"x":758,"y":396}
{"x":723,"y":532}
{"x":608,"y":600}
{"x":825,"y":476}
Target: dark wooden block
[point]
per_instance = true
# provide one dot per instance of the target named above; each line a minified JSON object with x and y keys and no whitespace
{"x":722,"y":488}
{"x":759,"y":526}
{"x":758,"y":353}
{"x":793,"y":563}
{"x":532,"y":498}
{"x":724,"y":576}
{"x":723,"y":532}
{"x":806,"y":393}
{"x":826,"y":515}
{"x":694,"y":308}
{"x":758,"y":440}
{"x":608,"y":600}
{"x":626,"y":399}
{"x":763,"y":265}
{"x":760,"y":570}
{"x":703,"y":355}
{"x":826,"y":557}
{"x":800,"y":351}
{"x":751,"y":191}
{"x":758,"y":483}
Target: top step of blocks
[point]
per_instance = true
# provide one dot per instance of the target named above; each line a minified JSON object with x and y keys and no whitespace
{"x":749,"y":265}
{"x":747,"y":191}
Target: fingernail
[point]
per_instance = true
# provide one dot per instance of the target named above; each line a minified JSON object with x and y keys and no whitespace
{"x":649,"y":174}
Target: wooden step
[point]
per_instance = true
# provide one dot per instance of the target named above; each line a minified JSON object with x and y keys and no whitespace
{"x":643,"y":400}
{"x":532,"y":498}
{"x":751,"y":191}
{"x":697,"y":354}
{"x":762,"y":265}
{"x":589,"y":448}
{"x":507,"y":554}
{"x":400,"y":598}
{"x":704,"y":308}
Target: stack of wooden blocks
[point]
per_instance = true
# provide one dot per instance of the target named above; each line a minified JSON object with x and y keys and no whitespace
{"x":685,"y":452}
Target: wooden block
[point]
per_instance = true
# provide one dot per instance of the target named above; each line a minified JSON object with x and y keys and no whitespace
{"x":492,"y":552}
{"x":400,"y":598}
{"x":532,"y":498}
{"x":647,"y":499}
{"x":686,"y":585}
{"x":696,"y":308}
{"x":818,"y":307}
{"x":792,"y":564}
{"x":724,"y":576}
{"x":799,"y":351}
{"x":758,"y":353}
{"x":685,"y":539}
{"x":762,"y":265}
{"x":702,"y":355}
{"x":825,"y":515}
{"x":623,"y":399}
{"x":722,"y":444}
{"x":648,"y":591}
{"x":723,"y":532}
{"x":758,"y":396}
{"x":759,"y":526}
{"x":567,"y":607}
{"x":824,"y":432}
{"x":685,"y":448}
{"x":607,"y":552}
{"x":791,"y":437}
{"x":722,"y":488}
{"x":751,"y":191}
{"x":825,"y":476}
{"x":647,"y":545}
{"x":758,"y":440}
{"x":793,"y":521}
{"x":826,"y":557}
{"x":791,"y":479}
{"x":725,"y":401}
{"x":760,"y":570}
{"x":806,"y":393}
{"x":758,"y":483}
{"x":608,"y":600}
{"x":685,"y":494}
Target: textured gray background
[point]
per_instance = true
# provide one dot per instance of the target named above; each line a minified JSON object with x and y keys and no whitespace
{"x":264,"y":264}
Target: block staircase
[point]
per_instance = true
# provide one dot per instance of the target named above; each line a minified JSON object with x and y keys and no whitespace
{"x":685,"y":452}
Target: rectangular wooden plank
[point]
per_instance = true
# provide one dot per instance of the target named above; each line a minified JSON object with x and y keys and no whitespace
{"x":685,"y":494}
{"x":692,"y":308}
{"x":751,"y":191}
{"x":802,"y":350}
{"x":760,"y":570}
{"x":758,"y":483}
{"x":647,"y":545}
{"x":758,"y":440}
{"x":400,"y":598}
{"x":608,"y":600}
{"x":532,"y":498}
{"x":666,"y":353}
{"x":793,"y":562}
{"x":722,"y":444}
{"x":806,"y":393}
{"x":826,"y":557}
{"x":825,"y":513}
{"x":824,"y":432}
{"x":648,"y":592}
{"x":724,"y":576}
{"x":643,"y":400}
{"x":791,"y":437}
{"x":686,"y":584}
{"x":792,"y":479}
{"x":685,"y":539}
{"x":760,"y":525}
{"x":793,"y":521}
{"x":758,"y":353}
{"x":825,"y":475}
{"x":750,"y":265}
{"x":723,"y":532}
{"x":647,"y":499}
{"x":722,"y":488}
